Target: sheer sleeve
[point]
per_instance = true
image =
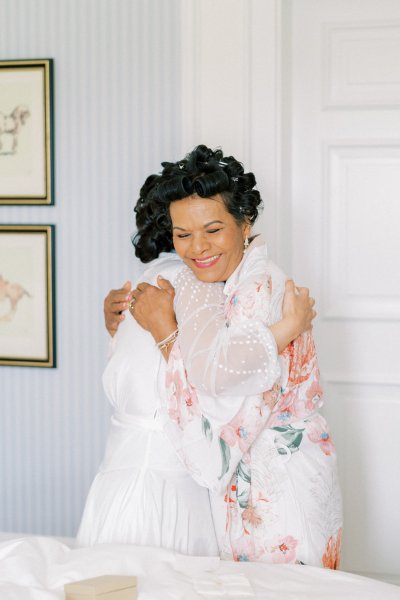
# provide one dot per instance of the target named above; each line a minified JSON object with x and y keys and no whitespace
{"x":213,"y":414}
{"x":211,"y":435}
{"x":226,"y":345}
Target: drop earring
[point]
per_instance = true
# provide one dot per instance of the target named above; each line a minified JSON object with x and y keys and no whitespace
{"x":245,"y":244}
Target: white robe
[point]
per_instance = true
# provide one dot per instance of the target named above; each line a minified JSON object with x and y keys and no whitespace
{"x":142,"y":494}
{"x":267,"y":457}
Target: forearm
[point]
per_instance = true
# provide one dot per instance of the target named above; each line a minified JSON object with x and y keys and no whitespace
{"x":284,"y":332}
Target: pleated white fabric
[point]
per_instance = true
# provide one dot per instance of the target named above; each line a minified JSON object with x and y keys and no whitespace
{"x":142,"y":494}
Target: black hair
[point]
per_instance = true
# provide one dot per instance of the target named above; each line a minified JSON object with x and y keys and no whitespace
{"x":204,"y":172}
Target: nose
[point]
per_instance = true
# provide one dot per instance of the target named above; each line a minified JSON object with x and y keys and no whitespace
{"x":199,"y":245}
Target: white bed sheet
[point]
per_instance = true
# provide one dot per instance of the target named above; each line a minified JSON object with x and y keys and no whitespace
{"x":36,"y":568}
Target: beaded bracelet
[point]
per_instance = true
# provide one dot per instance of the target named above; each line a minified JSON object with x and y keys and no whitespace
{"x":170,"y":339}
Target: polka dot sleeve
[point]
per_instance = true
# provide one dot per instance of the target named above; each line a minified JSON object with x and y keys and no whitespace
{"x":226,"y":345}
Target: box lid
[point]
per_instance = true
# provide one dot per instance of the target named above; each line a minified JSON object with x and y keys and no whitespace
{"x":101,"y":585}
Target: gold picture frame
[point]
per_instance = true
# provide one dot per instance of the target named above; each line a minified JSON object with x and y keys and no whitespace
{"x":27,"y":295}
{"x":26,"y":132}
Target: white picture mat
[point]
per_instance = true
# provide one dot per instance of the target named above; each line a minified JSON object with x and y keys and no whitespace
{"x":23,"y":260}
{"x":24,"y":173}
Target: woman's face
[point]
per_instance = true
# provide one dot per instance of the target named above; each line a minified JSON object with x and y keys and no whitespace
{"x":207,"y":237}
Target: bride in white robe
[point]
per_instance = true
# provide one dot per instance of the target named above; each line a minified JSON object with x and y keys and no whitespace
{"x":142,"y":494}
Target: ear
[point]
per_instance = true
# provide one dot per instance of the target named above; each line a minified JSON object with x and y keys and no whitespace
{"x":246,"y":230}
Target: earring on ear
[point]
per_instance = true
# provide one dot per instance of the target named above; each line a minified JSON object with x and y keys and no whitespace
{"x":245,"y":244}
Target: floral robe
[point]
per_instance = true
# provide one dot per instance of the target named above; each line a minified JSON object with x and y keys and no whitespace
{"x":246,"y":421}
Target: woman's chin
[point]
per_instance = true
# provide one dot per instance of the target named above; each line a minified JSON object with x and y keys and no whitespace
{"x":207,"y":275}
{"x":204,"y":276}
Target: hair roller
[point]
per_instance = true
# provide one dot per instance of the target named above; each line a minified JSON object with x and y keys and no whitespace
{"x":233,"y":167}
{"x":246,"y":182}
{"x":211,"y":184}
{"x":203,"y":154}
{"x":175,"y":189}
{"x":162,"y":221}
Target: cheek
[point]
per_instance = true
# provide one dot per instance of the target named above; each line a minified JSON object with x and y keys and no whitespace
{"x":234,"y":246}
{"x":179,"y":246}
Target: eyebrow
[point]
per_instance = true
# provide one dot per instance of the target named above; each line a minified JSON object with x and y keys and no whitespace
{"x":205,"y":226}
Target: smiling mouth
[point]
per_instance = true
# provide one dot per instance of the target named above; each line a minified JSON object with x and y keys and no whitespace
{"x":203,"y":263}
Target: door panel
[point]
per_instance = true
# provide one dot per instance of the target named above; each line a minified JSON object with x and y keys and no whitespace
{"x":343,"y":78}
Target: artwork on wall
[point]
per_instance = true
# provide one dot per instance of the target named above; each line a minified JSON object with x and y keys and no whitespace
{"x":27,"y":295}
{"x":26,"y":132}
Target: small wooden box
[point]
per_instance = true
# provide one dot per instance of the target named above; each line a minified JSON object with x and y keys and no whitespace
{"x":106,"y":587}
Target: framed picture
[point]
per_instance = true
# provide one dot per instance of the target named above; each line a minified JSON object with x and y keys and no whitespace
{"x":26,"y":132}
{"x":27,"y":296}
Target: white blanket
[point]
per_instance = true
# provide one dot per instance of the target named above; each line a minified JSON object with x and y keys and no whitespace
{"x":36,"y":568}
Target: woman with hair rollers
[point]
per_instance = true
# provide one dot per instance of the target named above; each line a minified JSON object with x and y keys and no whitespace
{"x":242,"y":381}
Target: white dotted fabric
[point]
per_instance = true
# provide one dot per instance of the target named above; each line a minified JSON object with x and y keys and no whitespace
{"x":224,"y":337}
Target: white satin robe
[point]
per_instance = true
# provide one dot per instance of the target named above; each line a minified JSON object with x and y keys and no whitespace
{"x":142,"y":494}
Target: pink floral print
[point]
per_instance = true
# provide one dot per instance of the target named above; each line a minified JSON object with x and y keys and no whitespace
{"x":254,"y":449}
{"x":284,"y":550}
{"x":244,"y":550}
{"x":251,"y":516}
{"x":319,"y":434}
{"x":331,"y":557}
{"x":244,"y":427}
{"x":182,"y":404}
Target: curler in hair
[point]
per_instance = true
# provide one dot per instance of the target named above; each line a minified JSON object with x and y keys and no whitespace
{"x":175,"y":188}
{"x":212,"y":183}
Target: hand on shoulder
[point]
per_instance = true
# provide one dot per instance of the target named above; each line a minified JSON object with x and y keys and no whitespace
{"x":297,"y":315}
{"x":115,"y":303}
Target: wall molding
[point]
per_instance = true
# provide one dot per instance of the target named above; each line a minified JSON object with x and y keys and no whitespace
{"x":208,"y":72}
{"x":338,"y":302}
{"x":340,"y":93}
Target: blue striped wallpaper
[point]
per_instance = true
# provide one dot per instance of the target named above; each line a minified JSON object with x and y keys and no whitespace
{"x":117,"y":115}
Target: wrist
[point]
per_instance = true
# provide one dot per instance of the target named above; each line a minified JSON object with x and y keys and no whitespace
{"x":163,"y":331}
{"x":292,"y":327}
{"x":284,"y":332}
{"x":164,"y":344}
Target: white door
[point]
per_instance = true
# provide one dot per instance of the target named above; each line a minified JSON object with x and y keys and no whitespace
{"x":342,"y":159}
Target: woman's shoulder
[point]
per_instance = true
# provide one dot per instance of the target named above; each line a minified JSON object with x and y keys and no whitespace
{"x":256,"y":266}
{"x":168,"y":265}
{"x":277,"y":275}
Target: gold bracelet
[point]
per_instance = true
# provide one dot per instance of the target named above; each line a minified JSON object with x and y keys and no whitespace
{"x":170,"y":339}
{"x":167,"y":344}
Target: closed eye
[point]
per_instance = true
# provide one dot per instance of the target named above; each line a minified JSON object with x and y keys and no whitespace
{"x":214,"y":230}
{"x":183,"y":235}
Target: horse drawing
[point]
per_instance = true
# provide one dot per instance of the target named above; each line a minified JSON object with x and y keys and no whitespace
{"x":10,"y":127}
{"x":11,"y":292}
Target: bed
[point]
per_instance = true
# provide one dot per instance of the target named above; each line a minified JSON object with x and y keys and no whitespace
{"x":36,"y":568}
